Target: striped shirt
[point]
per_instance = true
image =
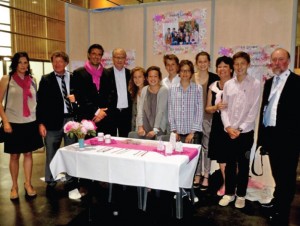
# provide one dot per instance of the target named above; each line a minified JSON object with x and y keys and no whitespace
{"x":185,"y":108}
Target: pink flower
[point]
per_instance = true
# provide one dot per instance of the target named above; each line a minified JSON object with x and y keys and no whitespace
{"x":71,"y":125}
{"x":80,"y":130}
{"x":89,"y":125}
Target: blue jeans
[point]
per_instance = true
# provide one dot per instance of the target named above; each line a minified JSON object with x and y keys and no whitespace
{"x":53,"y":141}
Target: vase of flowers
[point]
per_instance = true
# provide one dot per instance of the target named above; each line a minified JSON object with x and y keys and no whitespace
{"x":80,"y":130}
{"x":81,"y":143}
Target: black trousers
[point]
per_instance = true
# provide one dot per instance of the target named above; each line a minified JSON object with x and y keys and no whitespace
{"x":284,"y":164}
{"x":237,"y":163}
{"x":196,"y":140}
{"x":283,"y":148}
{"x":116,"y":121}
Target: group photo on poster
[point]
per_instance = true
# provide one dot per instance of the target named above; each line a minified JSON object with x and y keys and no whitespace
{"x":180,"y":31}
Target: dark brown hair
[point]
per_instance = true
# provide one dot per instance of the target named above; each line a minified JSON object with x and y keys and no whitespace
{"x":188,"y":63}
{"x":171,"y":57}
{"x":202,"y":53}
{"x":226,"y":60}
{"x":15,"y":61}
{"x":132,"y":88}
{"x":154,"y":68}
{"x":243,"y":55}
{"x":61,"y":54}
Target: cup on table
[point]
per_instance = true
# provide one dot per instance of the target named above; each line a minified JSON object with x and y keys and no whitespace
{"x":169,"y":149}
{"x":100,"y":137}
{"x":179,"y":147}
{"x":107,"y":139}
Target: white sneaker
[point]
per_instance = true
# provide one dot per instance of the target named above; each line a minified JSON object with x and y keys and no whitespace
{"x":239,"y":202}
{"x":226,"y":200}
{"x":196,"y":199}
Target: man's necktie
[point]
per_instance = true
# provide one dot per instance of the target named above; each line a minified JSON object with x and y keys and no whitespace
{"x":65,"y":93}
{"x":268,"y":112}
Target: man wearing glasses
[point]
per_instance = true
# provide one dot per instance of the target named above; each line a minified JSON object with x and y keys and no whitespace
{"x":115,"y":97}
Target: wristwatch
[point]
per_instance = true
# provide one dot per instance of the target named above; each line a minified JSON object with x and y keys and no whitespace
{"x":155,"y":130}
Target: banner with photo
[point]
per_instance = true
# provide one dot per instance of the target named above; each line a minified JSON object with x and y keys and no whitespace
{"x":260,"y":58}
{"x":180,"y":32}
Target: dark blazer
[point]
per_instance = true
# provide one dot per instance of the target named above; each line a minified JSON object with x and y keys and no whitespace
{"x":50,"y":103}
{"x":86,"y":94}
{"x":108,"y":92}
{"x":108,"y":97}
{"x":286,"y":131}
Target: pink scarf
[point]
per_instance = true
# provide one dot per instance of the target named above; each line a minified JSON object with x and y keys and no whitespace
{"x":25,"y":85}
{"x":96,"y":73}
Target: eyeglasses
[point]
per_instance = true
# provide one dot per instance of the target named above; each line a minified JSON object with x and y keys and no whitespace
{"x":185,"y":71}
{"x":240,"y":64}
{"x":120,"y":58}
{"x":274,"y":60}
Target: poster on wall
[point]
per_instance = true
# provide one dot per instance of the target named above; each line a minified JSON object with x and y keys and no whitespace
{"x":260,"y":56}
{"x":130,"y":59}
{"x":180,"y":32}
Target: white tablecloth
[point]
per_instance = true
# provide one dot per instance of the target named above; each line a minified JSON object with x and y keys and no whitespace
{"x":127,"y":167}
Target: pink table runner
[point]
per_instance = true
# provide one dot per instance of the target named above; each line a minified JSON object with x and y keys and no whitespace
{"x":190,"y":152}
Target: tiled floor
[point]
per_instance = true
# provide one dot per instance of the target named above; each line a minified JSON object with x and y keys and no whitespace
{"x":55,"y":208}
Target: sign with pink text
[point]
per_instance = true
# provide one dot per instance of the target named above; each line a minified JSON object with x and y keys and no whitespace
{"x":260,"y":56}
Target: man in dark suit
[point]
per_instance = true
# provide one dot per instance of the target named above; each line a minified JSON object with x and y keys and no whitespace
{"x":53,"y":110}
{"x":279,"y":133}
{"x":86,"y":82}
{"x":115,"y":97}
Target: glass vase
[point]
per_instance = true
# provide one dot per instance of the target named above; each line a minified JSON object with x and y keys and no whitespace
{"x":81,"y":143}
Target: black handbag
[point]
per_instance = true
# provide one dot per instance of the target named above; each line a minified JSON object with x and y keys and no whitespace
{"x":256,"y":155}
{"x":2,"y":133}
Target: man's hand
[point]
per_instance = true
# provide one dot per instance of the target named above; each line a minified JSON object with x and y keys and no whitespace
{"x":233,"y":133}
{"x":101,"y":114}
{"x":72,"y":98}
{"x":141,"y":131}
{"x":42,"y":130}
{"x":189,"y":138}
{"x":151,"y":134}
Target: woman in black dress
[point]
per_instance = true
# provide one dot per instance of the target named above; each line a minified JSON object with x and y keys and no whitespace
{"x":214,"y":106}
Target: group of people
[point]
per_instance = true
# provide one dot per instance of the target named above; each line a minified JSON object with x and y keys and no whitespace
{"x":182,"y":36}
{"x":218,"y":111}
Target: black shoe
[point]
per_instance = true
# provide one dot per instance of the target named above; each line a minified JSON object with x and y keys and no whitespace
{"x":196,"y":185}
{"x":50,"y":191}
{"x":203,"y":187}
{"x":268,"y":205}
{"x":51,"y":184}
{"x":71,"y":184}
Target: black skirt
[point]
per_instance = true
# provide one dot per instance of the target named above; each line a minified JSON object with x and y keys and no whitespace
{"x":24,"y":138}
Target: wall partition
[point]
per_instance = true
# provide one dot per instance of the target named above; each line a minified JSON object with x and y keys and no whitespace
{"x":222,"y":26}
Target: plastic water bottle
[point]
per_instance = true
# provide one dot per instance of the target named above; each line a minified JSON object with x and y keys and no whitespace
{"x":107,"y":138}
{"x":160,"y":145}
{"x":173,"y":140}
